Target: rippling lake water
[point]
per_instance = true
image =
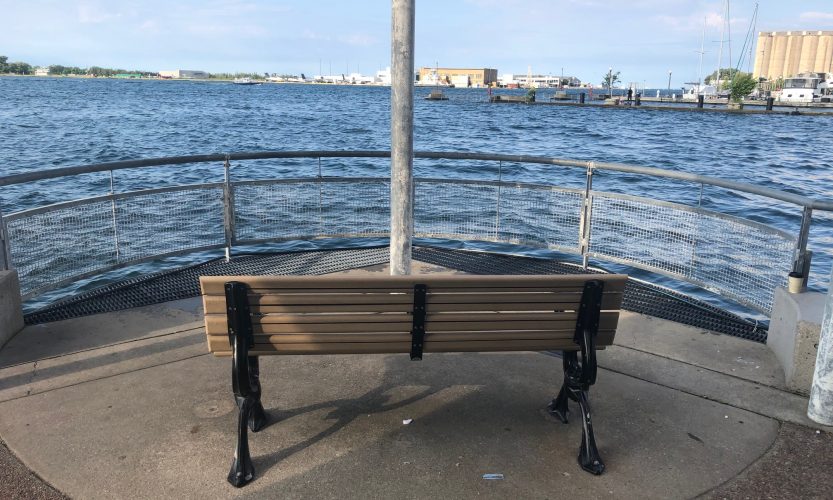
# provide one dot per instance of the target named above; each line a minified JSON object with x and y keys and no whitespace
{"x":48,"y":123}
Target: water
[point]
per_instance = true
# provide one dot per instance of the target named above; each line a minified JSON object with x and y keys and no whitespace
{"x":48,"y":123}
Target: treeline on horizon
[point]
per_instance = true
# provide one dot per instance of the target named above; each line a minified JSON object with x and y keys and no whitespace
{"x":22,"y":68}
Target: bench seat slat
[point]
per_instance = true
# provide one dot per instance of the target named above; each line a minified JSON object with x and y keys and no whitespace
{"x":215,"y":285}
{"x":386,"y":302}
{"x":405,"y":347}
{"x":221,"y":342}
{"x":218,"y":325}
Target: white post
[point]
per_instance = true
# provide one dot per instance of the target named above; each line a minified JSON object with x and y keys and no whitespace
{"x":821,"y":394}
{"x":402,"y":136}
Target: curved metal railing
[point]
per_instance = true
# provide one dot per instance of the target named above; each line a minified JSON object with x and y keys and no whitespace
{"x":58,"y":243}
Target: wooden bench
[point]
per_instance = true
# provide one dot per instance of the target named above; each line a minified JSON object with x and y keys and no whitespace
{"x":251,"y":316}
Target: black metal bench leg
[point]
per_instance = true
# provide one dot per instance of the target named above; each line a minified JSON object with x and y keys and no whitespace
{"x":560,"y":405}
{"x":257,"y":415}
{"x":588,"y":456}
{"x":245,"y":380}
{"x":242,"y":471}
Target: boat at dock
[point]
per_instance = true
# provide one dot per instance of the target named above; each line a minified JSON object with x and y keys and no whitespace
{"x":245,"y":81}
{"x":436,"y":95}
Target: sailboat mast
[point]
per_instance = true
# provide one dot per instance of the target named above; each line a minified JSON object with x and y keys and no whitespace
{"x":729,"y":41}
{"x":752,"y":38}
{"x":700,"y":65}
{"x":720,"y":52}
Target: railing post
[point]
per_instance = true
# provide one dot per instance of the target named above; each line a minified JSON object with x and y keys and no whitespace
{"x":801,"y":258}
{"x":497,"y":203}
{"x":5,"y":247}
{"x":402,"y":136}
{"x":116,"y":241}
{"x":586,"y":216}
{"x":320,"y":200}
{"x":228,"y":209}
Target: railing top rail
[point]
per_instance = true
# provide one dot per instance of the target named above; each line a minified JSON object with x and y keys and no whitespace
{"x":265,"y":155}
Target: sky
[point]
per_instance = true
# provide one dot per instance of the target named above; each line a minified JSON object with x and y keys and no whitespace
{"x":642,"y":39}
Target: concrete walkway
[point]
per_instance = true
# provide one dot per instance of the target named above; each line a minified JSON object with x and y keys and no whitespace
{"x":130,"y":405}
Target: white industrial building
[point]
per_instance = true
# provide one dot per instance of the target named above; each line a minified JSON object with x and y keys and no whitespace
{"x":184,"y":73}
{"x":537,"y":81}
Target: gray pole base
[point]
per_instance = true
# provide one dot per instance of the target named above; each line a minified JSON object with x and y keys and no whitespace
{"x":11,"y":313}
{"x":820,"y":408}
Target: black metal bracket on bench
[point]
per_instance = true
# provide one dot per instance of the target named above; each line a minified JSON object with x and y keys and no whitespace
{"x":580,"y":375}
{"x":418,"y":326}
{"x":245,"y":380}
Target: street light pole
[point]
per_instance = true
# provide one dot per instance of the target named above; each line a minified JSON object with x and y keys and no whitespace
{"x":669,"y":80}
{"x":610,"y":82}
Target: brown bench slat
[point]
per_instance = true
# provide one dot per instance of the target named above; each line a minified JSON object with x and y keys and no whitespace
{"x":405,"y":347}
{"x":221,"y":342}
{"x":218,"y":325}
{"x":215,"y":285}
{"x":437,"y":302}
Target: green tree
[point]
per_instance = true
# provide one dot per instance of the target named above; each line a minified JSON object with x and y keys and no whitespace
{"x":20,"y":68}
{"x":610,"y":79}
{"x":4,"y":67}
{"x":742,"y":85}
{"x":726,"y":75}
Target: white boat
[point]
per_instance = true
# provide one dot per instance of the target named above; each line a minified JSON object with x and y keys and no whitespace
{"x":696,"y":89}
{"x":245,"y":81}
{"x":805,"y":87}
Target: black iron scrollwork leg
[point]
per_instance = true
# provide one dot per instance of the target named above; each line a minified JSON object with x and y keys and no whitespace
{"x":245,"y":380}
{"x":579,"y":375}
{"x":257,"y":416}
{"x":560,"y":405}
{"x":588,"y":456}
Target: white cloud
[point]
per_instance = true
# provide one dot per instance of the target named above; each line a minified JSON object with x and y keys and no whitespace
{"x":816,"y":16}
{"x":89,"y":13}
{"x":358,"y":39}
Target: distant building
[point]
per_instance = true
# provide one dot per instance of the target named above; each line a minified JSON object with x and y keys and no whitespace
{"x":383,"y":77}
{"x":480,"y":77}
{"x":128,"y":75}
{"x":782,"y":54}
{"x":537,"y":81}
{"x":184,"y":73}
{"x":41,"y":71}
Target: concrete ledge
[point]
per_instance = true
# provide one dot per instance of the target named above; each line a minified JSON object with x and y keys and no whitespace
{"x":794,"y":335}
{"x":11,"y":313}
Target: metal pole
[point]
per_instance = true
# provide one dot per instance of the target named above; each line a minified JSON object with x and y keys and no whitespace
{"x":800,"y":256}
{"x":610,"y":82}
{"x":228,"y":209}
{"x":320,"y":199}
{"x":586,"y":215}
{"x":497,"y":203}
{"x":402,"y":136}
{"x":5,"y":252}
{"x":820,"y":408}
{"x":113,"y":211}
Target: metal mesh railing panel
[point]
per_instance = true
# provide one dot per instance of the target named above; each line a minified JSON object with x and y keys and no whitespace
{"x":174,"y":221}
{"x":747,"y":262}
{"x":311,"y":209}
{"x":455,"y":210}
{"x":56,"y":245}
{"x":540,"y":217}
{"x":276,"y":211}
{"x":358,"y":208}
{"x":743,"y":261}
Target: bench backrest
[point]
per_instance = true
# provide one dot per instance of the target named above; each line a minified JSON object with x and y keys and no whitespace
{"x":374,"y":314}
